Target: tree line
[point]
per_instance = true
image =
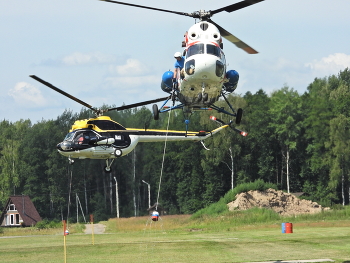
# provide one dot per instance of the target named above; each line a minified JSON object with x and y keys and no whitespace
{"x":300,"y":142}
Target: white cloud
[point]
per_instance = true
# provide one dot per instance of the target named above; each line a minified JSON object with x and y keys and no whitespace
{"x":132,"y":67}
{"x":137,"y":81}
{"x":132,"y":76}
{"x":271,"y":74}
{"x":27,"y":95}
{"x":331,"y":64}
{"x":78,"y":58}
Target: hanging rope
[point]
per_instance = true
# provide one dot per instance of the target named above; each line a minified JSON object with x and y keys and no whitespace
{"x":161,"y":171}
{"x":69,"y":192}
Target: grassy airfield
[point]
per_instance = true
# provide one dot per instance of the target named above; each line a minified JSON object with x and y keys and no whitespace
{"x":226,"y":238}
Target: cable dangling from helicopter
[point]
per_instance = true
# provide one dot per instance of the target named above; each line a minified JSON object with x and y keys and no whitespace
{"x":162,"y":168}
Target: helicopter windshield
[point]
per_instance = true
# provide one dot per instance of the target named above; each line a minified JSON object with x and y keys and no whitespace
{"x":194,"y":50}
{"x":69,"y":136}
{"x":214,"y":50}
{"x":199,"y":49}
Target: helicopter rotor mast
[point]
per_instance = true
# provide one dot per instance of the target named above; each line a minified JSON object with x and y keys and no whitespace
{"x":206,"y":15}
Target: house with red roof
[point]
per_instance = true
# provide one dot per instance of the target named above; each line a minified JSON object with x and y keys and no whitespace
{"x":19,"y":210}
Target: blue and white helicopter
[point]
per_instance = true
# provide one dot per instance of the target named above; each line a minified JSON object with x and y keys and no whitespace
{"x":204,"y":78}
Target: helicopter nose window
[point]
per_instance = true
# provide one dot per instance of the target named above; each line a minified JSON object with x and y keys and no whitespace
{"x":214,"y":50}
{"x":69,"y":136}
{"x":220,"y":68}
{"x":190,"y":66}
{"x":195,"y":49}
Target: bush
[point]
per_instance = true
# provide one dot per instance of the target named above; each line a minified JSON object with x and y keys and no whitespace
{"x":46,"y":224}
{"x":55,"y":224}
{"x":42,"y":224}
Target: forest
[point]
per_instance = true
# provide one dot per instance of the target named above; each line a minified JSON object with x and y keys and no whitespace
{"x":300,"y":142}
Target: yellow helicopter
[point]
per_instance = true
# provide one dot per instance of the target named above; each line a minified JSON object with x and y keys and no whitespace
{"x":103,"y":138}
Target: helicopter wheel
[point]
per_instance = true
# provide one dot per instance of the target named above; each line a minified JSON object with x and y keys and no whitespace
{"x":118,"y":152}
{"x":107,"y":169}
{"x":71,"y":161}
{"x":155,"y":112}
{"x":239,"y":116}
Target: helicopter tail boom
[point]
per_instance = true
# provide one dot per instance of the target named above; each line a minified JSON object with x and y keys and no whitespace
{"x":164,"y":135}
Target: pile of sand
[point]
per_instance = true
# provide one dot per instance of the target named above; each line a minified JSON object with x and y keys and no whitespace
{"x":283,"y":203}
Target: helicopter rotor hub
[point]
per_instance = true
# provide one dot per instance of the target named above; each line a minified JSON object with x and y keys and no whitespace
{"x":202,"y":15}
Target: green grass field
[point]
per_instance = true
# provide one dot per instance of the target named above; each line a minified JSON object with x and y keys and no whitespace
{"x":182,"y":239}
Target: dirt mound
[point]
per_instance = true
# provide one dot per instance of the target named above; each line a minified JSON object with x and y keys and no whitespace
{"x":283,"y":203}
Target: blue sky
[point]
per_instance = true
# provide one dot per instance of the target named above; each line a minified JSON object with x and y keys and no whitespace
{"x":107,"y":53}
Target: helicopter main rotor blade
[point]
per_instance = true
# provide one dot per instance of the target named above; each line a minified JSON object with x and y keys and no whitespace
{"x":63,"y":93}
{"x":148,"y":7}
{"x":236,"y":6}
{"x":239,"y":43}
{"x":137,"y":104}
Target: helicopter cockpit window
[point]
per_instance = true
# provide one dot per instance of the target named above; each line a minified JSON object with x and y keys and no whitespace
{"x":90,"y":136}
{"x":214,"y":50}
{"x":194,"y":50}
{"x":69,"y":136}
{"x":84,"y":137}
{"x":222,"y":57}
{"x":190,"y":67}
{"x":79,"y":138}
{"x":220,"y":69}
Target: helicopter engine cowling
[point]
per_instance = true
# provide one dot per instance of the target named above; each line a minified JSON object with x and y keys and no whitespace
{"x":233,"y":77}
{"x":106,"y":141}
{"x":167,"y":81}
